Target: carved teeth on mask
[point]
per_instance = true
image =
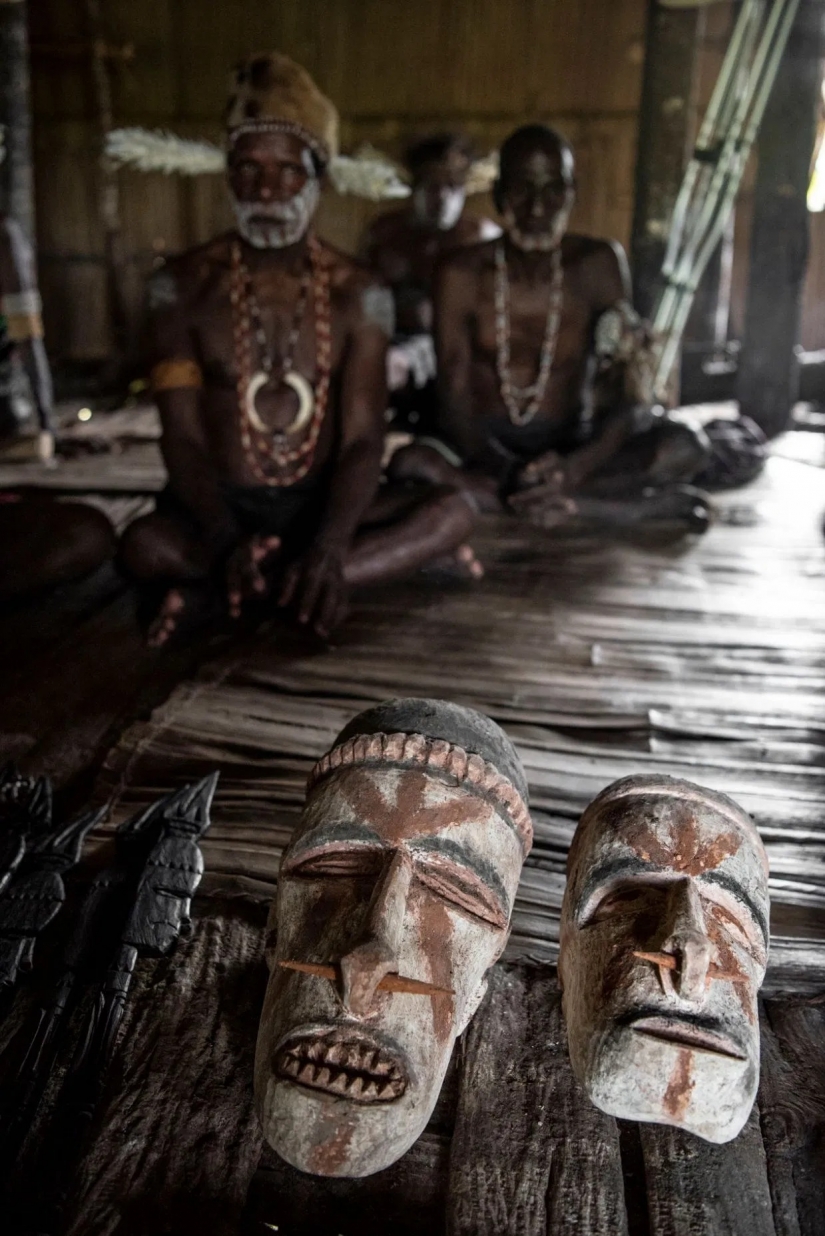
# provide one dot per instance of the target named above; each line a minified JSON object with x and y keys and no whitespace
{"x":353,"y":1068}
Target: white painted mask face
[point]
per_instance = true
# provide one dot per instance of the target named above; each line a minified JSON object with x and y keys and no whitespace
{"x":393,"y":872}
{"x":664,"y":939}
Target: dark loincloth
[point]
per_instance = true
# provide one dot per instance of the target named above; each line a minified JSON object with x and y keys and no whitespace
{"x":291,"y":512}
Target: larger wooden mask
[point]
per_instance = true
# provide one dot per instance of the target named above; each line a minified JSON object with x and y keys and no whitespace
{"x":394,"y":900}
{"x":664,"y":943}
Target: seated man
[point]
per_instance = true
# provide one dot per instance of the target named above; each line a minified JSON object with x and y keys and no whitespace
{"x":542,"y":367}
{"x":404,"y":246}
{"x":268,"y":353}
{"x":43,"y":542}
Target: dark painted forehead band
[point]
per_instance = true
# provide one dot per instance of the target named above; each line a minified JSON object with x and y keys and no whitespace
{"x":418,"y":751}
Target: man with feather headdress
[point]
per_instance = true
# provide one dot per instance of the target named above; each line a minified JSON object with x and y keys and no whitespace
{"x":268,"y":353}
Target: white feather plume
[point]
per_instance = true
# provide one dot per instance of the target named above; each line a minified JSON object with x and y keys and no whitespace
{"x":150,"y":150}
{"x":483,"y":173}
{"x":369,"y":174}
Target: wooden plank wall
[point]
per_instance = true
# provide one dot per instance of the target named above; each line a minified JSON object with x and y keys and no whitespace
{"x":396,"y":68}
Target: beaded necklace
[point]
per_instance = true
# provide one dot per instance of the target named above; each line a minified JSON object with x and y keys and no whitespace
{"x":261,"y":445}
{"x":523,"y":402}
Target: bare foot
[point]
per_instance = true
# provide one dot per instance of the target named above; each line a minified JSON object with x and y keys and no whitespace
{"x":166,"y":623}
{"x":460,"y":564}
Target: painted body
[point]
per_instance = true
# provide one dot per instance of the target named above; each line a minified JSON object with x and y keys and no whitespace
{"x":401,"y":878}
{"x":305,"y":535}
{"x":664,"y":944}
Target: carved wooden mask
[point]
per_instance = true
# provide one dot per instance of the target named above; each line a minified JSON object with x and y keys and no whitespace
{"x":399,"y":883}
{"x":664,"y":944}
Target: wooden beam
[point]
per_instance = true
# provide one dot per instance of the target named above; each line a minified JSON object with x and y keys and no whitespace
{"x":16,"y":174}
{"x":664,"y":134}
{"x":530,"y":1153}
{"x":769,"y":368}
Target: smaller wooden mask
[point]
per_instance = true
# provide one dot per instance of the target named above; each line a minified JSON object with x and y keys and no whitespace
{"x":664,"y":944}
{"x":394,"y":900}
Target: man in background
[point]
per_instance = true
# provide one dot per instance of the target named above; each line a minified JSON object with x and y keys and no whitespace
{"x":405,"y":247}
{"x":545,"y":404}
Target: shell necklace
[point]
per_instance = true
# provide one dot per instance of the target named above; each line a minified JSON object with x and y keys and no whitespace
{"x":523,"y":402}
{"x":261,"y":444}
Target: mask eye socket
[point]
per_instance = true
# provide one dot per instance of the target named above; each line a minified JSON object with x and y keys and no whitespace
{"x":733,"y":927}
{"x":352,"y":862}
{"x":625,"y":901}
{"x":464,"y":894}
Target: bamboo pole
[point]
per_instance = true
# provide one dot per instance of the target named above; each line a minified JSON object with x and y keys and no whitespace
{"x":16,"y":174}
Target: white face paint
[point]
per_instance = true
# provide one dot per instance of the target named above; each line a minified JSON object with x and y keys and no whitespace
{"x":664,"y":939}
{"x":274,"y":225}
{"x":450,"y":205}
{"x":391,"y":871}
{"x":536,"y":242}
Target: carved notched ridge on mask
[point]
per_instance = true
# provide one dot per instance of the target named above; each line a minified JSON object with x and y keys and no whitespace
{"x":345,"y":1061}
{"x":437,"y":755}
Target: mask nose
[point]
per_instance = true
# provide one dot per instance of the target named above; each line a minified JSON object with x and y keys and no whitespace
{"x":363,"y":968}
{"x":687,"y":943}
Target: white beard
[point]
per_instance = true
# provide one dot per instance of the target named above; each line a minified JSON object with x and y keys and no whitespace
{"x":542,"y":242}
{"x":286,"y":222}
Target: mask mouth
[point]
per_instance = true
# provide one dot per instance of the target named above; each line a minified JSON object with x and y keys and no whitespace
{"x":684,"y":1033}
{"x":345,"y":1061}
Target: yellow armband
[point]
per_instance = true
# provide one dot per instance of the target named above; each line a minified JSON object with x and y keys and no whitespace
{"x":176,"y":375}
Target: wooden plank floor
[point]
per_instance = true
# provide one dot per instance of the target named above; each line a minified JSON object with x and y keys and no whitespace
{"x":704,"y":660}
{"x":601,"y":658}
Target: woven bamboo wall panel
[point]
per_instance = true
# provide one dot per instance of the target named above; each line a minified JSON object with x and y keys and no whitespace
{"x":395,"y":68}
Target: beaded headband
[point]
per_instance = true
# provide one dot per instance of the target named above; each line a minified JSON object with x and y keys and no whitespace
{"x":418,"y":751}
{"x":281,"y":126}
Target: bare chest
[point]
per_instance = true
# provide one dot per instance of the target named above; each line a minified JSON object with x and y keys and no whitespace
{"x":526,"y":320}
{"x":268,"y":326}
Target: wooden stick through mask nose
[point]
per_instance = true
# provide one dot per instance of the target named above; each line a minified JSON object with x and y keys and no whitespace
{"x":390,"y":982}
{"x":668,"y":962}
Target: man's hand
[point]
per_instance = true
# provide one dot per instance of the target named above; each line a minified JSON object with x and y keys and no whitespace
{"x":545,"y":505}
{"x":314,"y":586}
{"x":549,"y":469}
{"x":413,"y":358}
{"x":245,"y":571}
{"x":542,"y":493}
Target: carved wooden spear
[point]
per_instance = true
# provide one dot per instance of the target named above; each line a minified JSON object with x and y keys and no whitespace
{"x":98,"y":920}
{"x":155,"y":915}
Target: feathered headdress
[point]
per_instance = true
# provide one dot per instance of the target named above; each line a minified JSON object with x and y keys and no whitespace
{"x":368,"y":173}
{"x":270,"y":91}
